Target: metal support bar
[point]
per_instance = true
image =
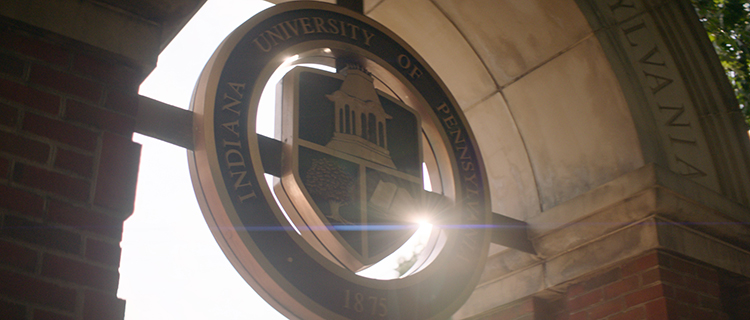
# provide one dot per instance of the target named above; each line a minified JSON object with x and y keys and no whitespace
{"x":168,"y":123}
{"x":511,"y":233}
{"x":164,"y":122}
{"x":174,"y":125}
{"x":270,"y":155}
{"x":357,"y":6}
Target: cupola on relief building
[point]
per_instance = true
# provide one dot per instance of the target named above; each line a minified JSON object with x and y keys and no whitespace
{"x":360,"y":119}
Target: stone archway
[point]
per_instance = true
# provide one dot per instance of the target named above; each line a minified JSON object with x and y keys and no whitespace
{"x":607,"y":112}
{"x":567,"y":95}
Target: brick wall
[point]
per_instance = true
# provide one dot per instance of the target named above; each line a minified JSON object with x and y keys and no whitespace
{"x":655,"y":286}
{"x":735,"y":292}
{"x":68,"y":171}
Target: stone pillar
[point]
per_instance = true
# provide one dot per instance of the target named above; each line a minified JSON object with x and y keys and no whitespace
{"x":656,"y":285}
{"x":652,"y":245}
{"x":69,"y":77}
{"x":68,"y":171}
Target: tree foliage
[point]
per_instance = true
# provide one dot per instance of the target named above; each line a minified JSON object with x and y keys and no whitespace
{"x":328,"y":181}
{"x":728,"y":25}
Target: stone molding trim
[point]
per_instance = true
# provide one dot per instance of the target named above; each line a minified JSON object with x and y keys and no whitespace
{"x":647,"y":209}
{"x":136,"y":30}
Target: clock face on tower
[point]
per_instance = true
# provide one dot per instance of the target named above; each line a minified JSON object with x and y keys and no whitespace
{"x":350,"y":153}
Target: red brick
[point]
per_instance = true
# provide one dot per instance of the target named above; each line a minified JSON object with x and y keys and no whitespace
{"x":681,"y":265}
{"x":99,"y":118}
{"x":8,"y":115}
{"x":638,"y":313}
{"x":669,"y":290}
{"x":4,"y":169}
{"x":707,"y":274}
{"x":686,"y":296}
{"x":97,"y":306}
{"x":23,"y":287}
{"x":526,"y":306}
{"x":30,"y":97}
{"x":47,"y":315}
{"x":679,"y":310}
{"x":79,"y":272}
{"x":620,"y":287}
{"x":11,"y":66}
{"x":575,"y":290}
{"x":671,"y":277}
{"x":585,"y":300}
{"x":640,"y":264}
{"x":583,"y":315}
{"x":24,"y":147}
{"x":643,"y":295}
{"x":553,"y":309}
{"x":84,"y":219}
{"x":118,"y":173}
{"x":709,"y":288}
{"x":123,"y":101}
{"x":66,"y":83}
{"x":12,"y":311}
{"x":650,"y":276}
{"x":710,"y":302}
{"x":111,"y":73}
{"x":606,"y":309}
{"x":663,"y":275}
{"x":698,"y":313}
{"x":21,"y":201}
{"x":41,"y":234}
{"x":34,"y":48}
{"x":56,"y":183}
{"x":103,"y":252}
{"x":60,"y":131}
{"x":17,"y":256}
{"x":657,"y":310}
{"x":75,"y":162}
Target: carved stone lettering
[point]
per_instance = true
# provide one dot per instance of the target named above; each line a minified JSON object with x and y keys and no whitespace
{"x":690,"y":170}
{"x":667,"y":96}
{"x":673,"y":120}
{"x":303,"y":26}
{"x":623,"y":9}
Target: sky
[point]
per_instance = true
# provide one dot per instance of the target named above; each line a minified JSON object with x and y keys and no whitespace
{"x":171,"y":266}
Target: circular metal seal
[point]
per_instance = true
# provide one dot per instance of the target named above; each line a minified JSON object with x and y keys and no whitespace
{"x":296,"y":272}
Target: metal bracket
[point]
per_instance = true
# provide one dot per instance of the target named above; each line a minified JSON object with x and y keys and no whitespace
{"x":174,"y":125}
{"x":164,"y":122}
{"x":511,"y":233}
{"x":357,"y":6}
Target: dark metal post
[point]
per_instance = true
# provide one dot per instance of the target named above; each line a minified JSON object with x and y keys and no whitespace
{"x":357,"y":6}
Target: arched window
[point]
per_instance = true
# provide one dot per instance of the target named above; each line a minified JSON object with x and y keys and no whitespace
{"x":348,"y":119}
{"x":371,"y":134}
{"x":341,"y":121}
{"x":381,"y":135}
{"x":363,"y":121}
